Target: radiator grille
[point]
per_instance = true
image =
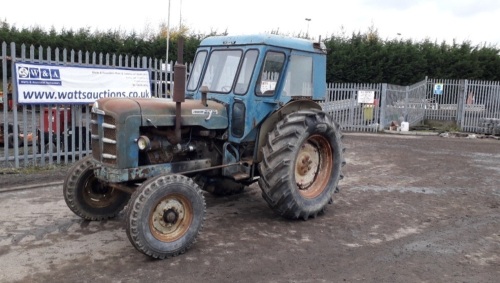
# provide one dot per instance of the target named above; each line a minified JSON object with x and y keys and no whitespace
{"x":104,"y":150}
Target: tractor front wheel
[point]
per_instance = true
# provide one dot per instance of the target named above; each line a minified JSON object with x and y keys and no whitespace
{"x":165,"y":215}
{"x":87,"y":197}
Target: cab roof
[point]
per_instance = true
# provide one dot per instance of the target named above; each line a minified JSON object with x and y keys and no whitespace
{"x":265,"y":39}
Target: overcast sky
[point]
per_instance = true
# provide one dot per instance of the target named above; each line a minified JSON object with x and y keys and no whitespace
{"x":476,"y":21}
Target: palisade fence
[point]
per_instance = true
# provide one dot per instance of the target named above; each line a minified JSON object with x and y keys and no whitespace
{"x":473,"y":106}
{"x":46,"y":134}
{"x":40,"y":135}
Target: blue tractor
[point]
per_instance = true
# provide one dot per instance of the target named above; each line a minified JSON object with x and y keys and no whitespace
{"x":248,"y":113}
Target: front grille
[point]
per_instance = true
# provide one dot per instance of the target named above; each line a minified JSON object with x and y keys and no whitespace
{"x":103,"y":130}
{"x":94,"y":131}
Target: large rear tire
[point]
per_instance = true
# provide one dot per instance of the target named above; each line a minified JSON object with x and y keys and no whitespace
{"x":302,"y":162}
{"x":87,"y":197}
{"x":165,"y":216}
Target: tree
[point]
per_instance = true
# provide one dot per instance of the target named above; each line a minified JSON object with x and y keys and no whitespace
{"x":362,"y":57}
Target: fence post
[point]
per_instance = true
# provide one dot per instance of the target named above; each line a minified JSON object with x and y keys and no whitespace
{"x":461,"y":104}
{"x":5,"y":101}
{"x":407,"y":103}
{"x":383,"y":102}
{"x":14,"y":104}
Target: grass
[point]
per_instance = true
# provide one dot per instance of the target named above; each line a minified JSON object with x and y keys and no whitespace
{"x":440,"y":126}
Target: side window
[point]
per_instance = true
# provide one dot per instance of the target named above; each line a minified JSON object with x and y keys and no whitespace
{"x":270,"y":73}
{"x":195,"y":74}
{"x":246,"y":72}
{"x":299,"y":78}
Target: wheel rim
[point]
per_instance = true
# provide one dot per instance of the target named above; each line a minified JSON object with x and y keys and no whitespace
{"x":171,"y":218}
{"x":313,"y":166}
{"x":98,"y":195}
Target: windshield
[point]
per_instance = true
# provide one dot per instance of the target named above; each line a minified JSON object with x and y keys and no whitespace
{"x":221,"y":70}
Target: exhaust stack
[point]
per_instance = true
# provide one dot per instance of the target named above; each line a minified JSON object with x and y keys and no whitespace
{"x":179,"y":87}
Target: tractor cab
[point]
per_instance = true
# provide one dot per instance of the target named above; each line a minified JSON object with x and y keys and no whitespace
{"x":257,"y":75}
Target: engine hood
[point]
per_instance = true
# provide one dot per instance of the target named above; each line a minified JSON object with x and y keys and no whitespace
{"x":161,"y":112}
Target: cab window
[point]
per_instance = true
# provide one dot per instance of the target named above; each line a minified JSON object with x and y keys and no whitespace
{"x":270,"y":73}
{"x":299,"y":78}
{"x":195,"y":74}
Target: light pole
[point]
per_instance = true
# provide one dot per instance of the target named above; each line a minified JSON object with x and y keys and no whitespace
{"x":180,"y":17}
{"x":307,"y":32}
{"x":168,"y":39}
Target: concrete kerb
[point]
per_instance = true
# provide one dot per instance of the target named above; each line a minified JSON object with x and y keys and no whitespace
{"x":33,"y":186}
{"x":428,"y":133}
{"x":442,"y":134}
{"x":412,"y":133}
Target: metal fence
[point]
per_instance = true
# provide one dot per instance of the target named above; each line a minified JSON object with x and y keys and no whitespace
{"x":38,"y":135}
{"x":474,"y":106}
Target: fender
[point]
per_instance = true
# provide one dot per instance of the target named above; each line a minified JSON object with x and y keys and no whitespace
{"x":270,"y":122}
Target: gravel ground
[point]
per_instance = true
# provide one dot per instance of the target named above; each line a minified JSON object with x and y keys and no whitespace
{"x":410,"y":209}
{"x":11,"y":177}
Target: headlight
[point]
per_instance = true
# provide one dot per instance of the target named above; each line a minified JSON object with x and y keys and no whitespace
{"x":143,"y":143}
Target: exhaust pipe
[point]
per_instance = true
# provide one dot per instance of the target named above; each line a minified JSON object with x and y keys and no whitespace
{"x":179,"y":87}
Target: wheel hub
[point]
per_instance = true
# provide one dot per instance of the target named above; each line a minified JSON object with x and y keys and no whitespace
{"x":307,"y":166}
{"x":97,"y":194}
{"x":168,"y":216}
{"x":99,"y":189}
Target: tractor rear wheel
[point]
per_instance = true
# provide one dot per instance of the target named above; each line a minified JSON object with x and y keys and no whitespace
{"x":87,"y":197}
{"x":165,"y":215}
{"x":301,"y":166}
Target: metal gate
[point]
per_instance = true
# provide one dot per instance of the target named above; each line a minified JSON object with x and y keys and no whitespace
{"x":342,"y":103}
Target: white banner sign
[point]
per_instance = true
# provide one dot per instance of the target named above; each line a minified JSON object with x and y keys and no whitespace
{"x":366,"y":96}
{"x":39,"y":83}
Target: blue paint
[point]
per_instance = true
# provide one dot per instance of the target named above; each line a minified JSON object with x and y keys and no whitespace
{"x":257,"y":103}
